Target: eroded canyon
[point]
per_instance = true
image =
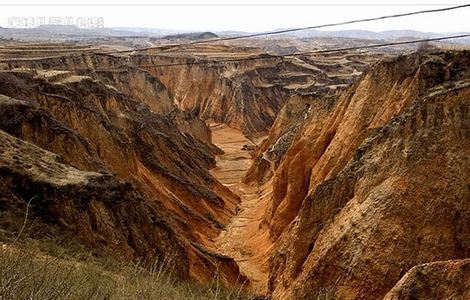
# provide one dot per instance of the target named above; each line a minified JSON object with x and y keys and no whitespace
{"x":341,"y":175}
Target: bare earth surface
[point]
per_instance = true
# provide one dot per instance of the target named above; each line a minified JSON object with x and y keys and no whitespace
{"x":244,"y":238}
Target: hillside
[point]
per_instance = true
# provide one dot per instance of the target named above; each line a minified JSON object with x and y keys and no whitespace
{"x":373,"y":182}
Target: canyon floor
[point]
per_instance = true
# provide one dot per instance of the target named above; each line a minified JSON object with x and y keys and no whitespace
{"x":244,"y":237}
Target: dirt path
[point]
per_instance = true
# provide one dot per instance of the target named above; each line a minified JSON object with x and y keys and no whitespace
{"x":244,"y":239}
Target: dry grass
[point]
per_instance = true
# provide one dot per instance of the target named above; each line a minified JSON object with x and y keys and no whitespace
{"x":27,"y":274}
{"x":58,"y":267}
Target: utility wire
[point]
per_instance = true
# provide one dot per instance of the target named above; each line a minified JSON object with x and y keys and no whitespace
{"x":293,"y":29}
{"x":276,"y":56}
{"x":269,"y":33}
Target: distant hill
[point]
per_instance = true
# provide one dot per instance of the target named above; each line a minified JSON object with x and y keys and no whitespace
{"x":372,"y":35}
{"x":71,"y":32}
{"x":192,"y":36}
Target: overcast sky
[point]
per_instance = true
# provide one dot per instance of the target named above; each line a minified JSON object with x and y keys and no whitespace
{"x":244,"y":15}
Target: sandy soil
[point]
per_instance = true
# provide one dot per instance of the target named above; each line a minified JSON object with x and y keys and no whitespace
{"x":244,"y":238}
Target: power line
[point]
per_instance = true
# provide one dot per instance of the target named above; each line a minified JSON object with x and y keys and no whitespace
{"x":212,"y":4}
{"x":266,"y":33}
{"x":293,"y":29}
{"x":270,"y":56}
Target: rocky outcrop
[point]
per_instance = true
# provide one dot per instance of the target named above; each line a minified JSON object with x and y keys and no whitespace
{"x":436,"y":280}
{"x":376,"y":186}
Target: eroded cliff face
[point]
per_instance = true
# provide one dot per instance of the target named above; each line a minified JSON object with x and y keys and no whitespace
{"x":109,"y":215}
{"x":116,"y":73}
{"x":158,"y":156}
{"x":214,"y":82}
{"x":288,"y":123}
{"x":241,"y":95}
{"x":246,"y":94}
{"x":437,"y":280}
{"x":376,"y":185}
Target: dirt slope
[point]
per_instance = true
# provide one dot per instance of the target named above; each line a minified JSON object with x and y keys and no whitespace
{"x":376,"y":185}
{"x":107,"y":123}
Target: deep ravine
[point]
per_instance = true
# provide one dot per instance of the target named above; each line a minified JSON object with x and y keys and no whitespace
{"x":244,"y":239}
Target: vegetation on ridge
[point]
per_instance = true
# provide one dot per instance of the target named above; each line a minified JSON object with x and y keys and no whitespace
{"x":58,"y":267}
